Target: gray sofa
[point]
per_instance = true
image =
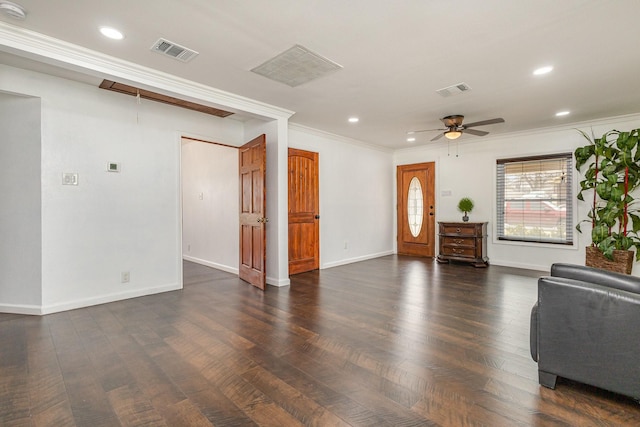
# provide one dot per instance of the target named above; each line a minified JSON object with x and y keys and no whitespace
{"x":585,"y":326}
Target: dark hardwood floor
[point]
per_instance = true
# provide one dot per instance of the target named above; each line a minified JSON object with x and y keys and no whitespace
{"x":394,"y":341}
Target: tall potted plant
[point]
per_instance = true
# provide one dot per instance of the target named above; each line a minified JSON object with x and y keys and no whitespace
{"x":612,"y":174}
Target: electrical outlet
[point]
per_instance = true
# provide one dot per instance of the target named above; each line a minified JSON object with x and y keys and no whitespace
{"x":125,"y":276}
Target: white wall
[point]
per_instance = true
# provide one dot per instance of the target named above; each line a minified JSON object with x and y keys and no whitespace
{"x":472,"y":174}
{"x":110,"y":222}
{"x":210,"y":204}
{"x":356,"y":197}
{"x":20,"y":205}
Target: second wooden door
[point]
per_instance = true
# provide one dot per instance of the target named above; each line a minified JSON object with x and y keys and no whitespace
{"x":304,"y":213}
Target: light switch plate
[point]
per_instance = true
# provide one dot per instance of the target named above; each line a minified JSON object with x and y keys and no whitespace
{"x":69,"y":178}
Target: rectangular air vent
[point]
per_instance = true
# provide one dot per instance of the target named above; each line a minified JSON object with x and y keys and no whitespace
{"x":174,"y":50}
{"x":456,"y":89}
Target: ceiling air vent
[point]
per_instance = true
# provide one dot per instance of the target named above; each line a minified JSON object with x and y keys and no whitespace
{"x":296,"y":66}
{"x":174,"y":50}
{"x":456,"y":89}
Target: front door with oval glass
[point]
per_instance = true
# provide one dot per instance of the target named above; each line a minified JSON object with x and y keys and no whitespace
{"x":416,"y":209}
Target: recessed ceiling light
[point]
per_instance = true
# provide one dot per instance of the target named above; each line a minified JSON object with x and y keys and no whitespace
{"x":353,"y":120}
{"x":111,"y":33}
{"x":542,"y":70}
{"x":13,"y":10}
{"x":412,"y":139}
{"x":562,"y":113}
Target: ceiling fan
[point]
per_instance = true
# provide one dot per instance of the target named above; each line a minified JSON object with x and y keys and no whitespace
{"x":455,"y":128}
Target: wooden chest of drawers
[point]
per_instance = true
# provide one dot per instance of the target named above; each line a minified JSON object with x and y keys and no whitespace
{"x":463,"y":241}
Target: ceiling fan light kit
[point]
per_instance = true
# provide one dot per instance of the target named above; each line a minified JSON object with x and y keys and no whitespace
{"x":452,"y":134}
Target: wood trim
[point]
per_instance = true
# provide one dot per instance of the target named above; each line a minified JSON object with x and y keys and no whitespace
{"x":165,"y":99}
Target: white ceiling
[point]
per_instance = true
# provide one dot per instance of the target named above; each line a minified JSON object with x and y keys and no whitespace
{"x":395,"y":55}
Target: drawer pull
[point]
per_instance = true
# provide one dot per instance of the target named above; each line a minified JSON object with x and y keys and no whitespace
{"x":457,"y":251}
{"x":458,"y":230}
{"x":458,"y":241}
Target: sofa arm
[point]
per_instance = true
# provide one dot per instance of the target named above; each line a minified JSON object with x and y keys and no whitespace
{"x":598,"y":276}
{"x":589,"y":333}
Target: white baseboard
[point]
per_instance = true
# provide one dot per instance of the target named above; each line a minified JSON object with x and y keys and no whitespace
{"x":228,"y":269}
{"x":275,"y":282}
{"x":71,"y":305}
{"x":525,"y":266}
{"x":34,"y":310}
{"x":87,"y":302}
{"x":233,"y":270}
{"x":356,"y":259}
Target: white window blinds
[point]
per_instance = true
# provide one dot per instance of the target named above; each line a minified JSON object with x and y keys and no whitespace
{"x":534,"y":199}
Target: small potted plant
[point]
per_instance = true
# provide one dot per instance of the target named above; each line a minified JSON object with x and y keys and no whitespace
{"x":465,"y":205}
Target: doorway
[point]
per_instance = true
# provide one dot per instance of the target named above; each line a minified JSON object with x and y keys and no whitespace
{"x":210,"y":204}
{"x":219,"y":182}
{"x":416,"y":209}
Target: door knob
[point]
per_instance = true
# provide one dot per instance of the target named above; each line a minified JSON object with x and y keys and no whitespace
{"x":317,"y":217}
{"x":263,"y":220}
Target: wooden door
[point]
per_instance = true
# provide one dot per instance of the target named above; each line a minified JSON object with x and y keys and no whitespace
{"x":304,"y":213}
{"x":416,"y":209}
{"x":252,"y":212}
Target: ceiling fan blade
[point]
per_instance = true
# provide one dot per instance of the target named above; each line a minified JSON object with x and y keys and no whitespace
{"x":476,"y":132}
{"x":440,"y":135}
{"x":424,"y":130}
{"x":485,"y":122}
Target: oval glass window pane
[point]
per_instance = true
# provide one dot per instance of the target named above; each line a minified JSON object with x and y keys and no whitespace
{"x":414,"y":206}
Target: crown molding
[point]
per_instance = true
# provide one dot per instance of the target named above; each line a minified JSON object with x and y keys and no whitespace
{"x":36,"y":46}
{"x":323,"y":134}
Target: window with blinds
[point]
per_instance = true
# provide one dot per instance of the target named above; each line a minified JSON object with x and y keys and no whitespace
{"x":534,"y":199}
